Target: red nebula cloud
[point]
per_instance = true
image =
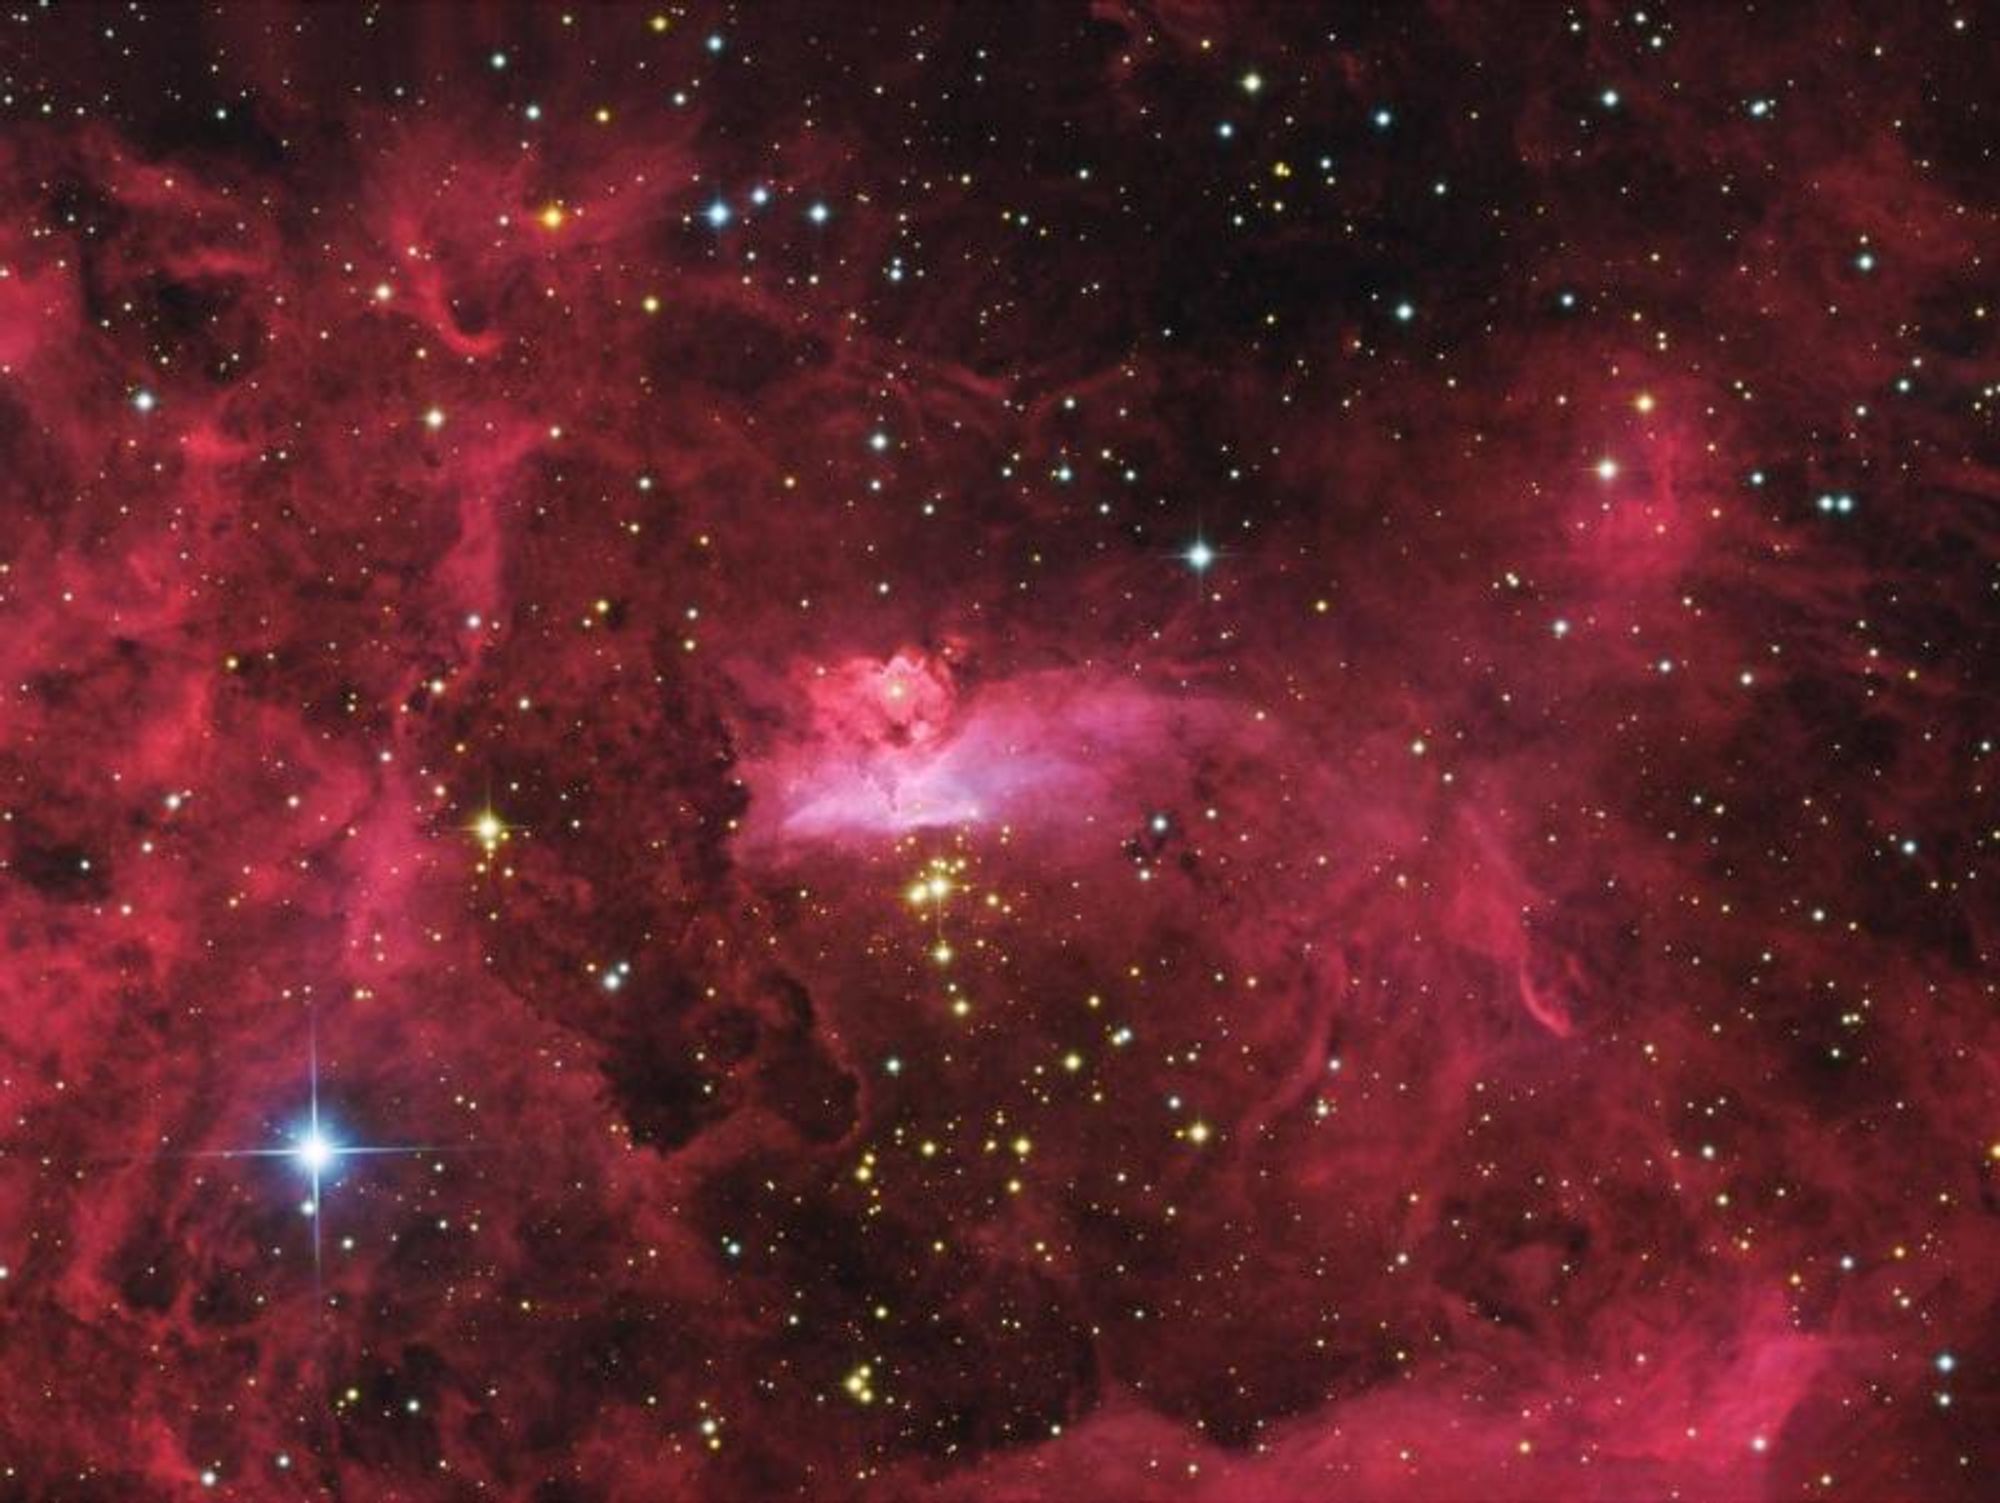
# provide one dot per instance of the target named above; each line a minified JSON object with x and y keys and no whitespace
{"x":1121,"y":751}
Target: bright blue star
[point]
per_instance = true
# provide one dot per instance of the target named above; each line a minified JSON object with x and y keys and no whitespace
{"x":316,"y":1151}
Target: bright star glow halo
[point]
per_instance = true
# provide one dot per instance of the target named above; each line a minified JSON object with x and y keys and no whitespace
{"x":315,"y":1150}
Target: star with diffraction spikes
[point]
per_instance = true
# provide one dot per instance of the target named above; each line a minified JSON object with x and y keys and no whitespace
{"x":316,"y":1151}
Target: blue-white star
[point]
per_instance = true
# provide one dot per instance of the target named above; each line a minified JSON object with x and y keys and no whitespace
{"x":315,"y":1150}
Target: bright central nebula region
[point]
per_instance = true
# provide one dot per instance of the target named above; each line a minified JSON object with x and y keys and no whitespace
{"x":1130,"y":751}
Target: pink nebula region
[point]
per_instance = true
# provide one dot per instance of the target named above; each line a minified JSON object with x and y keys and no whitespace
{"x":1142,"y":750}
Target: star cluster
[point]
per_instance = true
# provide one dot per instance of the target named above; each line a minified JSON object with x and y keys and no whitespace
{"x":1136,"y":750}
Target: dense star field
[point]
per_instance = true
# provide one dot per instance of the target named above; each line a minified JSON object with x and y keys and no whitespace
{"x":1124,"y":751}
